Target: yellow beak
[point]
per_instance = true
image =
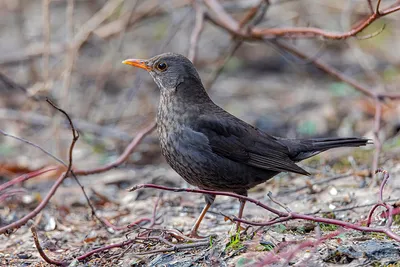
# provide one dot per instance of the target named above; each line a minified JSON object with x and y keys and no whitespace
{"x":139,"y":63}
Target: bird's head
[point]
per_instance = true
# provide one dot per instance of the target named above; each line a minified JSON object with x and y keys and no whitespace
{"x":168,"y":70}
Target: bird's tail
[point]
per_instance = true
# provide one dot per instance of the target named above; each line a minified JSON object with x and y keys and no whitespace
{"x":302,"y":149}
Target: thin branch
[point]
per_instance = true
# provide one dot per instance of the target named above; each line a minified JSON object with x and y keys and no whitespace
{"x":324,"y":181}
{"x":34,"y":145}
{"x":377,"y":141}
{"x":53,"y":189}
{"x":81,"y":125}
{"x":223,"y":19}
{"x":117,"y":245}
{"x":25,"y":177}
{"x":41,"y":251}
{"x":122,"y":158}
{"x":176,"y":248}
{"x":246,"y":23}
{"x":283,"y":216}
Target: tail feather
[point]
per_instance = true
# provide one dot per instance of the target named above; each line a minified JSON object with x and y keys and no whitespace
{"x":302,"y":149}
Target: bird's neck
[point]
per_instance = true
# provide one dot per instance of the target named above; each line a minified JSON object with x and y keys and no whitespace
{"x":180,"y":105}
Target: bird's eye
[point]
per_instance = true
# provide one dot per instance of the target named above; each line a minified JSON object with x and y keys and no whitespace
{"x":162,"y":66}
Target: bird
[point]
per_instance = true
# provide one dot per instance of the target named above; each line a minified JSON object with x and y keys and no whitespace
{"x":212,"y":149}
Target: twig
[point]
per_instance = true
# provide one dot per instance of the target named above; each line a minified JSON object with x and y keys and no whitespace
{"x":352,"y":208}
{"x":147,"y":9}
{"x":128,"y":150}
{"x":324,"y":181}
{"x":25,"y":177}
{"x":277,"y":202}
{"x":34,"y":145}
{"x":220,"y":67}
{"x":381,"y":203}
{"x":75,"y":135}
{"x":10,"y":193}
{"x":285,"y":216}
{"x":80,"y":125}
{"x":102,"y":78}
{"x":176,"y":248}
{"x":40,"y":249}
{"x":30,"y":52}
{"x":275,"y":256}
{"x":57,"y":183}
{"x":131,"y":225}
{"x":226,"y":21}
{"x":117,"y":245}
{"x":246,"y":23}
{"x":81,"y":36}
{"x":139,"y":222}
{"x":377,"y":141}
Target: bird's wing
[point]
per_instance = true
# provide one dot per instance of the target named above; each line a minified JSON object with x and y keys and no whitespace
{"x":236,"y":140}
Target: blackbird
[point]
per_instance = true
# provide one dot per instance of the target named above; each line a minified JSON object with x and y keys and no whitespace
{"x":212,"y":149}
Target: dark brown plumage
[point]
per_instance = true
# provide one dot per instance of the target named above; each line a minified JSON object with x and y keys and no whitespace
{"x":212,"y":149}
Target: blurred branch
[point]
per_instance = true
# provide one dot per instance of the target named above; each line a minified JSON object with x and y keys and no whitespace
{"x":46,"y":37}
{"x":122,"y":158}
{"x":198,"y":28}
{"x":69,"y":56}
{"x":34,"y":145}
{"x":252,"y":18}
{"x":108,"y":60}
{"x":145,"y":10}
{"x":30,"y":52}
{"x":81,"y":125}
{"x":377,"y":141}
{"x":224,"y":20}
{"x":25,"y":177}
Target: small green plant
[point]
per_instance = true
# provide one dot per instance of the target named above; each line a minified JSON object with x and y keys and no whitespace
{"x":378,"y":236}
{"x":301,"y":230}
{"x":396,"y":219}
{"x":328,"y":227}
{"x":266,"y":246}
{"x":211,"y":241}
{"x":280,"y":228}
{"x":234,"y":242}
{"x":379,"y":264}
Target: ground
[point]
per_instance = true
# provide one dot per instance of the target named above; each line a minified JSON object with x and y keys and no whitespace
{"x":110,"y":104}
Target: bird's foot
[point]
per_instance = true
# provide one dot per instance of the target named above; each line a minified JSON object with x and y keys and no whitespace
{"x":195,"y":235}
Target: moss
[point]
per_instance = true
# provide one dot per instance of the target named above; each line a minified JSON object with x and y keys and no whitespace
{"x":396,"y":219}
{"x":280,"y":228}
{"x":326,"y":227}
{"x":378,"y":236}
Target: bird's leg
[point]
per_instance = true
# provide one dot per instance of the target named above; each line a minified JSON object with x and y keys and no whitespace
{"x":241,"y":208}
{"x":209,"y":200}
{"x":240,"y":214}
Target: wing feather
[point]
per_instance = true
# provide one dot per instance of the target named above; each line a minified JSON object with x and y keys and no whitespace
{"x":234,"y":139}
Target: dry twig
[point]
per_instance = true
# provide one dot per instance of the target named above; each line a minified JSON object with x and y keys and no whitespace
{"x":288,"y":216}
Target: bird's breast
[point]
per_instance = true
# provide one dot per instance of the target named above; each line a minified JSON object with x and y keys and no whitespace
{"x":172,"y":116}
